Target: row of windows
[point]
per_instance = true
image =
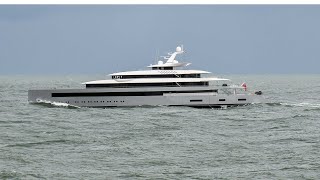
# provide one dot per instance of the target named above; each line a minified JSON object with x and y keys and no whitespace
{"x":157,"y":76}
{"x":238,"y":99}
{"x":150,"y":93}
{"x":76,"y":102}
{"x":192,"y":100}
{"x":169,"y":84}
{"x":162,"y":68}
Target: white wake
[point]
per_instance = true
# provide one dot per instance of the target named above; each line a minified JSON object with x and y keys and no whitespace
{"x":56,"y":104}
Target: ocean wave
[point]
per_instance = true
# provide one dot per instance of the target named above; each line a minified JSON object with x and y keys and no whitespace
{"x":274,"y":104}
{"x":54,"y":104}
{"x":9,"y":175}
{"x":303,"y":104}
{"x":30,"y":144}
{"x":17,"y":175}
{"x":287,"y":104}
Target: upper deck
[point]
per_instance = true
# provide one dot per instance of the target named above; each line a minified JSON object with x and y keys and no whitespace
{"x":158,"y":72}
{"x":161,"y":74}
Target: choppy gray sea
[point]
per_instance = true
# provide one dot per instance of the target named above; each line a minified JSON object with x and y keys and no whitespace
{"x":278,"y":139}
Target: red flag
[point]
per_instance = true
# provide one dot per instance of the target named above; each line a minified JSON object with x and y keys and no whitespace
{"x":244,"y":85}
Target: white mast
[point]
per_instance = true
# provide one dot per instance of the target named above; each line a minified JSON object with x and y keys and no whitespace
{"x":179,"y":50}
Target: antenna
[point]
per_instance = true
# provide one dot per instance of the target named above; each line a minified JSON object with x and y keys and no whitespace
{"x":157,"y":56}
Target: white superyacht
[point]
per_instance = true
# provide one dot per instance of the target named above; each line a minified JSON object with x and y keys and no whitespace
{"x":166,"y":83}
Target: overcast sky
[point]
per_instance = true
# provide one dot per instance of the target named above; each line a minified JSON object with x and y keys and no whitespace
{"x":250,"y":39}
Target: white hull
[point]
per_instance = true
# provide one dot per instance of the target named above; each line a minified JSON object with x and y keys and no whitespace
{"x":203,"y":99}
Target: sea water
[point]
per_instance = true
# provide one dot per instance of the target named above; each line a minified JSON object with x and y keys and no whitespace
{"x":276,"y":139}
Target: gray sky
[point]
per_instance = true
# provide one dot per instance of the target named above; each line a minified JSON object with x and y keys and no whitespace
{"x":107,"y":38}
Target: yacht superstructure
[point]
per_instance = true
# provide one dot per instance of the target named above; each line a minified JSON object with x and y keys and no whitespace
{"x":166,"y":83}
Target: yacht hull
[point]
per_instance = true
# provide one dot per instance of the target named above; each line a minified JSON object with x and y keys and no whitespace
{"x":106,"y":97}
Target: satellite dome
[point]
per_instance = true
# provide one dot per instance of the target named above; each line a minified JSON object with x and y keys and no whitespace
{"x":178,"y":49}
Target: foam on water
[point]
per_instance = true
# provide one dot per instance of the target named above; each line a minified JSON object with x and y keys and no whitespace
{"x":55,"y":104}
